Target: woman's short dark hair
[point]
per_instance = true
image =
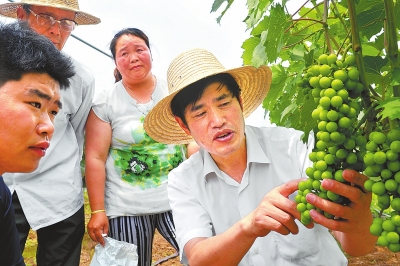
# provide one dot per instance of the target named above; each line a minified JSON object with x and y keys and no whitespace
{"x":193,"y":92}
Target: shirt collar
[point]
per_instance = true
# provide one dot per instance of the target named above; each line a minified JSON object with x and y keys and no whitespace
{"x":255,"y":154}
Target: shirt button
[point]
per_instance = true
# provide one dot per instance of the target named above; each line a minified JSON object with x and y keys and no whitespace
{"x":256,"y":251}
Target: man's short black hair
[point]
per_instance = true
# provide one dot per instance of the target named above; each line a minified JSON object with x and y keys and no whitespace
{"x":193,"y":92}
{"x":24,"y":51}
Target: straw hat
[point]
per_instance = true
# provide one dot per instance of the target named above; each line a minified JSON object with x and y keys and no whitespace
{"x":81,"y":18}
{"x":192,"y":66}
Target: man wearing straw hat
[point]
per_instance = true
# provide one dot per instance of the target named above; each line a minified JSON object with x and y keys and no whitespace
{"x":50,"y":200}
{"x":232,"y":200}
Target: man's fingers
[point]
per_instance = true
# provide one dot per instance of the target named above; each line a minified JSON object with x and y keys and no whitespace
{"x":289,"y":187}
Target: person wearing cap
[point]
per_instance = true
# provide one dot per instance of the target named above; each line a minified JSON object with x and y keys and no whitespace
{"x":232,"y":201}
{"x":32,"y":72}
{"x":50,"y":199}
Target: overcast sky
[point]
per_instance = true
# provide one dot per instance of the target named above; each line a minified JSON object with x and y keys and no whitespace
{"x":172,"y":26}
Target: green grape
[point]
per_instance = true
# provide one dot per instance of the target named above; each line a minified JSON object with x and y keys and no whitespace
{"x":375,"y":229}
{"x":395,"y":204}
{"x":379,"y":188}
{"x":382,"y":241}
{"x":327,"y":175}
{"x":310,"y":171}
{"x":302,"y":185}
{"x":325,"y":82}
{"x":329,"y":92}
{"x":332,"y":115}
{"x":379,"y":157}
{"x":386,"y":174}
{"x":391,"y":185}
{"x":353,"y":74}
{"x":331,"y":58}
{"x":332,"y":196}
{"x":395,"y":146}
{"x":393,"y":135}
{"x":371,"y":146}
{"x":324,"y":70}
{"x":368,"y":184}
{"x":340,"y":74}
{"x":301,"y":207}
{"x":351,"y":158}
{"x":388,"y":226}
{"x":379,"y":137}
{"x":351,"y":85}
{"x":397,"y":177}
{"x":391,"y":155}
{"x":314,"y":82}
{"x":393,"y":166}
{"x":337,"y":84}
{"x":394,"y":247}
{"x":350,"y":60}
{"x":313,"y":156}
{"x":396,"y":220}
{"x":321,"y":165}
{"x":336,"y":101}
{"x":323,"y":59}
{"x":331,"y":126}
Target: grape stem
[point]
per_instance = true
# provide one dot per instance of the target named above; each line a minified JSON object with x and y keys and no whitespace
{"x":357,"y":49}
{"x":392,"y":47}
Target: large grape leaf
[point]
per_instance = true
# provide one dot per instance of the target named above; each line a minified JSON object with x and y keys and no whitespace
{"x":370,"y":16}
{"x":248,"y":48}
{"x":390,"y":108}
{"x":274,"y":34}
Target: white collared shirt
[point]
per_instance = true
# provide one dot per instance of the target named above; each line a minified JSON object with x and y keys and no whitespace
{"x":206,"y":202}
{"x":53,"y":192}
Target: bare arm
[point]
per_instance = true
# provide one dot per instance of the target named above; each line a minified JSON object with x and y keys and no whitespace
{"x":275,"y":213}
{"x":352,"y":230}
{"x":98,"y":140}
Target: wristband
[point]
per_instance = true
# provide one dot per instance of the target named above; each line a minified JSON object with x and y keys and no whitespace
{"x":94,"y":212}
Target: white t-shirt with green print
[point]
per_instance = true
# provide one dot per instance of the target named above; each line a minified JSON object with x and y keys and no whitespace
{"x":137,"y":166}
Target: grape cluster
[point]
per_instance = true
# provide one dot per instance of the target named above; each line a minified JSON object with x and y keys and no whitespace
{"x":334,"y":85}
{"x":383,"y":167}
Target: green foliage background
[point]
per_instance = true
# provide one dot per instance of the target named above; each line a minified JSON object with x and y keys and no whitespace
{"x":291,"y":43}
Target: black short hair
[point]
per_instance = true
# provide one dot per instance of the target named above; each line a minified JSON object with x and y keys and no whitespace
{"x":24,"y":51}
{"x":193,"y":92}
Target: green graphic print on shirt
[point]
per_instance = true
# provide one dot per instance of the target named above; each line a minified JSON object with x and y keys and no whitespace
{"x":145,"y":163}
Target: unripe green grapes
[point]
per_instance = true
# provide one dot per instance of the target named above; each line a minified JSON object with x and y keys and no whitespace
{"x":383,"y":163}
{"x":336,"y":144}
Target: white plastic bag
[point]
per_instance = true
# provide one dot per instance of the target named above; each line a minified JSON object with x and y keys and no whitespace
{"x":114,"y":253}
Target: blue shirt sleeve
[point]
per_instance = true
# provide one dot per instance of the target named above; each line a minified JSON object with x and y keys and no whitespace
{"x":10,"y":253}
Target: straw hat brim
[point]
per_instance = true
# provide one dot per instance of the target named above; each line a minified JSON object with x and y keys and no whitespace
{"x":254,"y":83}
{"x":81,"y":18}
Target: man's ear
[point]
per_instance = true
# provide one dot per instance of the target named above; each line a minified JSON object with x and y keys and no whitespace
{"x":21,"y":13}
{"x":182,"y":125}
{"x":241,"y":102}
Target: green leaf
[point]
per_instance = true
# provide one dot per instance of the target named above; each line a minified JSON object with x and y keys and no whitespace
{"x":396,"y":77}
{"x":370,"y":17}
{"x":217,"y":4}
{"x":248,"y":48}
{"x":374,"y":64}
{"x":391,"y":108}
{"x":272,"y":38}
{"x":259,"y":54}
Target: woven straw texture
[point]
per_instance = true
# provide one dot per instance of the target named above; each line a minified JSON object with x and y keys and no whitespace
{"x":81,"y":18}
{"x":190,"y":67}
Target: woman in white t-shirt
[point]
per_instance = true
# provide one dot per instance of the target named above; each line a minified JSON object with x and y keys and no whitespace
{"x":126,"y":170}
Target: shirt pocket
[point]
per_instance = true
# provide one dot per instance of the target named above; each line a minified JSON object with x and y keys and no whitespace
{"x":306,"y":243}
